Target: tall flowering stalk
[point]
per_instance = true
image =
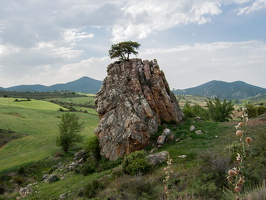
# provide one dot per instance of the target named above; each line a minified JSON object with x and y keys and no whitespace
{"x":235,"y":175}
{"x":166,"y":180}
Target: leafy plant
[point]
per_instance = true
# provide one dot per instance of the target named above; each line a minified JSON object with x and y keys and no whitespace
{"x":195,"y":111}
{"x":220,"y":111}
{"x":69,"y":129}
{"x":135,"y":163}
{"x":251,"y":110}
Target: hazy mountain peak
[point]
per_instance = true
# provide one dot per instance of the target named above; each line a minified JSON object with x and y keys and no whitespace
{"x":223,"y":90}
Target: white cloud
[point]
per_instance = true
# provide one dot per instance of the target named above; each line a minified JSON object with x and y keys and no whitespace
{"x":146,"y":16}
{"x":75,"y":35}
{"x":8,"y":49}
{"x":66,"y":52}
{"x":191,"y":65}
{"x":241,"y":1}
{"x":255,"y":6}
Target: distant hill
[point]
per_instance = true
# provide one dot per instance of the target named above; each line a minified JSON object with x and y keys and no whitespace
{"x":223,"y":90}
{"x":84,"y":84}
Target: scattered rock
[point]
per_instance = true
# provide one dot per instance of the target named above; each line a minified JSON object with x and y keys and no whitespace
{"x":156,"y":158}
{"x":199,"y":132}
{"x":198,"y":119}
{"x":166,"y":132}
{"x":73,"y":165}
{"x":133,"y":101}
{"x":172,"y":137}
{"x":50,"y":178}
{"x":79,"y":155}
{"x":161,"y":139}
{"x":23,"y":192}
{"x":192,"y":128}
{"x":63,"y":196}
{"x":182,"y":156}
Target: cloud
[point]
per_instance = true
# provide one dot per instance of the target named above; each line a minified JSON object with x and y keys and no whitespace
{"x":145,"y":17}
{"x":49,"y":74}
{"x":43,"y":40}
{"x":191,"y":65}
{"x":255,"y":6}
{"x":73,"y":36}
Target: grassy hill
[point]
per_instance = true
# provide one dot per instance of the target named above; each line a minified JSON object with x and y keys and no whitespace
{"x":200,"y":162}
{"x":39,"y":120}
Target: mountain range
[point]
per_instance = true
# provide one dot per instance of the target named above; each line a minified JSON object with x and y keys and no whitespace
{"x":223,"y":90}
{"x":84,"y":84}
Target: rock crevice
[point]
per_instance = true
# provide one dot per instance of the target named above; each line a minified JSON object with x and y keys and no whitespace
{"x":132,"y":102}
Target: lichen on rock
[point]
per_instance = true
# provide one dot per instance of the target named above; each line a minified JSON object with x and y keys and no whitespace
{"x":132,"y":102}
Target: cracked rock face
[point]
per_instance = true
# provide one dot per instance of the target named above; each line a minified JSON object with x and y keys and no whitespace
{"x":132,"y":102}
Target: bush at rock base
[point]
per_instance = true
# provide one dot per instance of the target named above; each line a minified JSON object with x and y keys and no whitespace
{"x":136,"y":163}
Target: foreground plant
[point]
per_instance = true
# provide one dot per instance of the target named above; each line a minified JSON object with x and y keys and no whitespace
{"x":166,"y":180}
{"x":235,"y":175}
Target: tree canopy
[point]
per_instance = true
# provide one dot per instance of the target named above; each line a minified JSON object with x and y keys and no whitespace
{"x":122,"y":50}
{"x":69,"y":129}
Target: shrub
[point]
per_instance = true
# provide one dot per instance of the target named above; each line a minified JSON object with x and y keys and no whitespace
{"x":251,"y":110}
{"x":105,"y":164}
{"x":187,"y":110}
{"x":138,"y":187}
{"x":87,"y":167}
{"x":92,"y":148}
{"x":220,"y":111}
{"x":18,"y":180}
{"x":209,"y":180}
{"x":261,"y":109}
{"x":135,"y":163}
{"x":91,"y":189}
{"x":200,"y":111}
{"x":194,"y":111}
{"x":2,"y":190}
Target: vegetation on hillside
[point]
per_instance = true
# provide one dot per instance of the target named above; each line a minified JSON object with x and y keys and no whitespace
{"x":40,"y":95}
{"x":199,"y":164}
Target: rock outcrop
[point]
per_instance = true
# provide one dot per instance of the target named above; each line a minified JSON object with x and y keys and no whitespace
{"x":132,"y":102}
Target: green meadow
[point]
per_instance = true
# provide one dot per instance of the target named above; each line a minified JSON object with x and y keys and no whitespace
{"x":39,"y":121}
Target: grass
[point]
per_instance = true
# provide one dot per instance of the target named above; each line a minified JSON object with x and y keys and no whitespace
{"x":191,"y":99}
{"x":68,"y":185}
{"x":76,"y":100}
{"x":39,"y":120}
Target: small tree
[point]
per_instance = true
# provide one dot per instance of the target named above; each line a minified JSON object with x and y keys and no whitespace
{"x":220,"y":111}
{"x":122,"y":50}
{"x":69,"y":129}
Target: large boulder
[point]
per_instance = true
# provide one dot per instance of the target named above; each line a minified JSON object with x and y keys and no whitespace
{"x":156,"y":158}
{"x":132,"y":102}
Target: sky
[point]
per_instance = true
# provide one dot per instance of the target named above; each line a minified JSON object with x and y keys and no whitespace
{"x":194,"y":41}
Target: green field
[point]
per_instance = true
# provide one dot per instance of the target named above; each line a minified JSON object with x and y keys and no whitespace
{"x":77,"y":100}
{"x":39,"y":120}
